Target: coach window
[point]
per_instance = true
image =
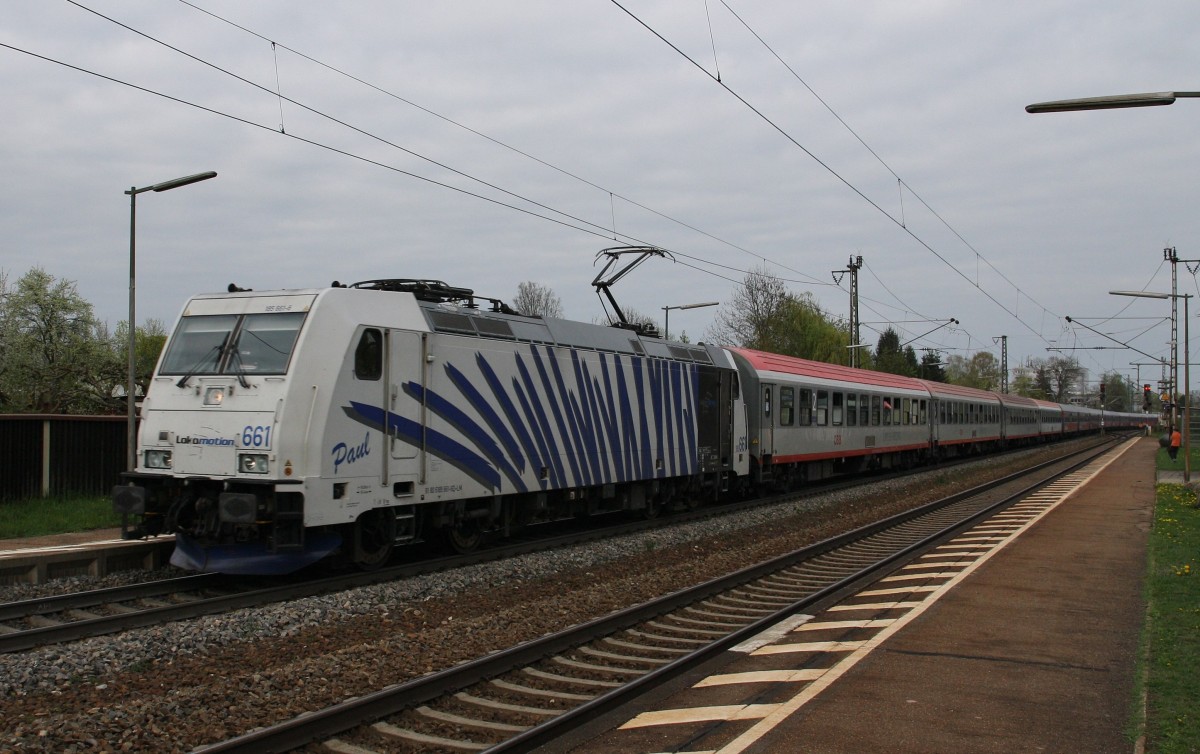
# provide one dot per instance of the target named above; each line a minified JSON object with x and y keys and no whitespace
{"x":907,"y":416}
{"x":851,"y":409}
{"x":787,"y":406}
{"x":875,"y":403}
{"x":368,"y":356}
{"x":822,"y":408}
{"x":838,"y":399}
{"x":864,"y":410}
{"x":921,"y":417}
{"x":805,"y":407}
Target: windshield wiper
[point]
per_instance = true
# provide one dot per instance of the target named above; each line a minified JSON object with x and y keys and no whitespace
{"x":236,"y":356}
{"x":195,"y":367}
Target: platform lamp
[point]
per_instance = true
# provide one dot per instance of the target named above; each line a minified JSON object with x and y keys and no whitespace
{"x":1111,"y":102}
{"x":667,"y":315}
{"x":131,"y":383}
{"x":1187,"y":375}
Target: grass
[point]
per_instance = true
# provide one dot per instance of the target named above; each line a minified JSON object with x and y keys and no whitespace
{"x":1171,"y":636}
{"x":40,"y":516}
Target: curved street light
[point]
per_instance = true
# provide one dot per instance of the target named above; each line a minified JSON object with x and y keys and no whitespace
{"x":1111,"y":102}
{"x":131,"y":382}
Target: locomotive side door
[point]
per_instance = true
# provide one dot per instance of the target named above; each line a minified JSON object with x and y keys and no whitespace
{"x":405,"y":401}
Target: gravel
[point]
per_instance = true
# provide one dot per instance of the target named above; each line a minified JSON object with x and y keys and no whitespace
{"x":174,"y":687}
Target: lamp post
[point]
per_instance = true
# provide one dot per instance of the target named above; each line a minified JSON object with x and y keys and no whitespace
{"x":1187,"y":374}
{"x":131,"y":382}
{"x":667,"y":315}
{"x":1150,"y":99}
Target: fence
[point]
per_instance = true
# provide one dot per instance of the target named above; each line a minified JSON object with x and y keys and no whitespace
{"x":44,"y":455}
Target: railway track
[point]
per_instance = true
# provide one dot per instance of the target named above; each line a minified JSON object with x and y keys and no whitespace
{"x":521,"y":698}
{"x":69,"y":617}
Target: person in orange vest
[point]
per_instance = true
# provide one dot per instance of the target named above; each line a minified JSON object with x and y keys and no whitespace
{"x":1176,"y":438}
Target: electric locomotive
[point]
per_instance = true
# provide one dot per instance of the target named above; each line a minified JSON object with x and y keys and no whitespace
{"x":283,"y":427}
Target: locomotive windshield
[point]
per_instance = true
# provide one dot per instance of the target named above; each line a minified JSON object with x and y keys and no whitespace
{"x":233,"y":344}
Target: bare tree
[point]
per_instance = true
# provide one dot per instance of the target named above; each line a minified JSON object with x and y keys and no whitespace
{"x":536,"y":300}
{"x":753,"y":313}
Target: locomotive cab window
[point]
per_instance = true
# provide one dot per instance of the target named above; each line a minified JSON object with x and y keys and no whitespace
{"x":368,"y":356}
{"x":259,"y":343}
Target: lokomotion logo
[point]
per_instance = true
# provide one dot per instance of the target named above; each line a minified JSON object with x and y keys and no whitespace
{"x":220,"y":441}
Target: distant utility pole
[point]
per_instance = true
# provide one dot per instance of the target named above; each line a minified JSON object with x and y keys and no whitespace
{"x":852,"y":267}
{"x":1003,"y":341}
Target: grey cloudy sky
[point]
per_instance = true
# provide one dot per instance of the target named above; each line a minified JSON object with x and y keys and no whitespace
{"x":963,"y":206}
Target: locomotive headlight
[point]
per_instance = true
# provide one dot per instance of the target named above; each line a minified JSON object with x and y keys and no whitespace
{"x":214,"y":396}
{"x":252,"y":463}
{"x":158,"y":459}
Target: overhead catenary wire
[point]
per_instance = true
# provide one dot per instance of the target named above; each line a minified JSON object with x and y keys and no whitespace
{"x":805,"y":278}
{"x":837,"y":175}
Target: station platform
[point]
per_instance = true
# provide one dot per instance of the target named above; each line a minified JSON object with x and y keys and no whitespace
{"x":1033,"y":648}
{"x":35,"y":560}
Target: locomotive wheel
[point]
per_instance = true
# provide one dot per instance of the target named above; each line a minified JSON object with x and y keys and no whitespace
{"x":374,"y":535}
{"x":464,"y":536}
{"x":653,"y":507}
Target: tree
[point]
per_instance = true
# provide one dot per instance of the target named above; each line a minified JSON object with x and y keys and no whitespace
{"x":148,"y":345}
{"x":1055,"y":379}
{"x":891,"y":357}
{"x":931,"y":367}
{"x":1117,"y":391}
{"x":762,"y":314}
{"x":753,"y":314}
{"x":536,"y":300}
{"x":981,"y":371}
{"x":56,"y":359}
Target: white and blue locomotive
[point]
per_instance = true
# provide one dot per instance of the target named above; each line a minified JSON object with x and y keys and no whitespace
{"x":284,"y":427}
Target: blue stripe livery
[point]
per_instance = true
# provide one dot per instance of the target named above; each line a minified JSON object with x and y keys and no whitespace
{"x":551,"y":422}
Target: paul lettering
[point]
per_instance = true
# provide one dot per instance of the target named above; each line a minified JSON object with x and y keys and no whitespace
{"x":342,"y":453}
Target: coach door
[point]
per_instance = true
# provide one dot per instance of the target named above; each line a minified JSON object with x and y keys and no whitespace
{"x":767,"y":421}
